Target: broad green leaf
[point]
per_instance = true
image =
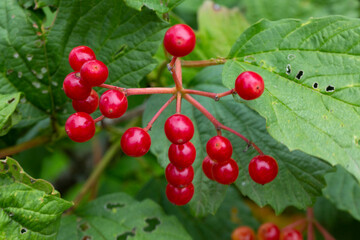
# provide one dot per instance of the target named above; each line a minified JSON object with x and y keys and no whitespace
{"x":29,"y":208}
{"x":8,"y":115}
{"x":311,"y":71}
{"x":300,"y":177}
{"x":343,"y":191}
{"x":118,"y":216}
{"x":161,"y":6}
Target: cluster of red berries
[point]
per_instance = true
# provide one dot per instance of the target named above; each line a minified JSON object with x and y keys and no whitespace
{"x":267,"y":231}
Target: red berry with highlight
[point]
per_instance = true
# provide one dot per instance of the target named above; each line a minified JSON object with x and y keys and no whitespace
{"x":226,"y":172}
{"x":79,"y":55}
{"x":94,"y":73}
{"x":243,"y":233}
{"x":290,"y":234}
{"x":179,"y":40}
{"x":263,"y":169}
{"x":182,"y":155}
{"x":219,"y":148}
{"x":135,"y":142}
{"x":208,"y":166}
{"x":113,"y":104}
{"x":179,"y":129}
{"x":249,"y":85}
{"x":80,"y":127}
{"x":180,"y":196}
{"x":268,"y":231}
{"x":179,"y":177}
{"x":88,"y":105}
{"x":74,"y":88}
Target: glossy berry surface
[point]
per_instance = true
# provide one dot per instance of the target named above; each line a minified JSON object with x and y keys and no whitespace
{"x":88,"y":105}
{"x":179,"y":129}
{"x":182,"y":155}
{"x":219,"y":148}
{"x":207,"y":166}
{"x":249,"y":85}
{"x":94,"y":73}
{"x":268,"y":231}
{"x":113,"y":104}
{"x":263,"y":169}
{"x":135,"y":142}
{"x":179,"y":177}
{"x":179,"y":196}
{"x":226,"y":172}
{"x":179,"y":40}
{"x":243,"y":233}
{"x":79,"y":55}
{"x":80,"y":127}
{"x":290,"y":234}
{"x":74,"y":88}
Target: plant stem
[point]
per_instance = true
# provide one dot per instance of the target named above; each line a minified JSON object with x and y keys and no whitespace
{"x":177,"y":75}
{"x":151,"y":90}
{"x":322,"y":230}
{"x":203,"y":63}
{"x":172,"y":63}
{"x":310,"y":227}
{"x":24,"y":146}
{"x":296,"y":224}
{"x":99,"y":119}
{"x":178,"y":102}
{"x":215,"y":96}
{"x":149,"y":125}
{"x":111,"y":87}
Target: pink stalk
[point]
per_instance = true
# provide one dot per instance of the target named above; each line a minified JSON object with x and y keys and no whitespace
{"x":215,"y":96}
{"x":99,"y":119}
{"x":322,"y":230}
{"x":178,"y":102}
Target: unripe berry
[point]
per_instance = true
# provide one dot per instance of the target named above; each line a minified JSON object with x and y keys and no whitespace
{"x":135,"y":142}
{"x":208,"y":166}
{"x":88,"y":105}
{"x":179,"y":177}
{"x":80,"y":127}
{"x":290,"y":234}
{"x":243,"y":233}
{"x":182,"y":155}
{"x":249,"y":85}
{"x":179,"y":40}
{"x":263,"y":169}
{"x":113,"y":104}
{"x":94,"y":73}
{"x":74,"y":88}
{"x":219,"y":148}
{"x":179,"y":196}
{"x":226,"y":172}
{"x":268,"y":231}
{"x":79,"y":55}
{"x":179,"y":129}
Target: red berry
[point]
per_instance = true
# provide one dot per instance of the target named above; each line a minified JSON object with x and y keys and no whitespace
{"x":179,"y":196}
{"x":268,"y":231}
{"x":179,"y":177}
{"x":135,"y":142}
{"x":290,"y":234}
{"x":226,"y":172}
{"x":249,"y":85}
{"x":94,"y":73}
{"x":263,"y":169}
{"x":79,"y":55}
{"x":243,"y":233}
{"x":80,"y":127}
{"x":219,"y":148}
{"x":208,"y":166}
{"x":182,"y":155}
{"x":88,"y":105}
{"x":113,"y":104}
{"x":179,"y":40}
{"x":74,"y":88}
{"x":179,"y":129}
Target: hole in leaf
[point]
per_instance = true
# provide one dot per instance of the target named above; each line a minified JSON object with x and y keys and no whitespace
{"x":11,"y":100}
{"x":125,"y":235}
{"x":86,"y":238}
{"x":152,"y":223}
{"x":84,"y":226}
{"x":330,"y":88}
{"x":111,"y":206}
{"x":299,"y":75}
{"x":23,"y":230}
{"x":315,"y":85}
{"x":288,"y":69}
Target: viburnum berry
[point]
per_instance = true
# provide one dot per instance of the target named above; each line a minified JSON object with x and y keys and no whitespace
{"x":226,"y":172}
{"x":207,"y":166}
{"x":182,"y":155}
{"x":249,"y":85}
{"x":268,"y":231}
{"x":79,"y":55}
{"x":88,"y":105}
{"x":243,"y":233}
{"x":94,"y":73}
{"x":179,"y":129}
{"x":263,"y":169}
{"x":74,"y":88}
{"x":179,"y":195}
{"x":290,"y":234}
{"x":219,"y":148}
{"x":113,"y":104}
{"x":179,"y":40}
{"x":179,"y":177}
{"x":80,"y":127}
{"x":135,"y":142}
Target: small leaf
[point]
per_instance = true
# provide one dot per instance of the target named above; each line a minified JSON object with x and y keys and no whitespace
{"x":8,"y":115}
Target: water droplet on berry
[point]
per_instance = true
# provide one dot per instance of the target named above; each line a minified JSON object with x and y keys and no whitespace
{"x":20,"y":74}
{"x":249,"y":59}
{"x":16,"y":55}
{"x":291,"y":57}
{"x":36,"y":84}
{"x":29,"y":57}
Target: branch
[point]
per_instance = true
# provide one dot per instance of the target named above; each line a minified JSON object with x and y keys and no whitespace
{"x":310,"y":227}
{"x":203,"y":63}
{"x":151,"y":90}
{"x":215,"y":96}
{"x":176,"y":74}
{"x":24,"y":146}
{"x":323,"y":231}
{"x":178,"y":102}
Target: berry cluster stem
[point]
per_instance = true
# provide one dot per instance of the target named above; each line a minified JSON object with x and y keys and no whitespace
{"x":203,"y":63}
{"x":215,"y":96}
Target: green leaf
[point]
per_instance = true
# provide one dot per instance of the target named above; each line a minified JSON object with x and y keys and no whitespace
{"x":343,"y":191}
{"x":117,"y":216}
{"x":8,"y":115}
{"x":301,"y":63}
{"x":29,"y":208}
{"x":162,"y":6}
{"x":300,"y":176}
